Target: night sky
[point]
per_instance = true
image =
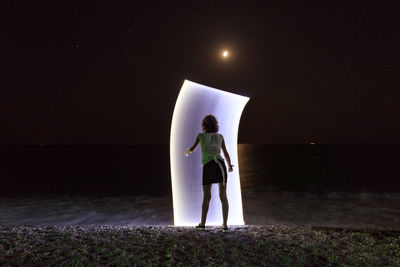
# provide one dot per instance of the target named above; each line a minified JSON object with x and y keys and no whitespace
{"x":109,"y":72}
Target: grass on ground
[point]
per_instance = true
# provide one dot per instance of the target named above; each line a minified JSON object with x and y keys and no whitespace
{"x":249,"y":245}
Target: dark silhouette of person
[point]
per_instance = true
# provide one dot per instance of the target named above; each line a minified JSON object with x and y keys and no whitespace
{"x":214,"y":169}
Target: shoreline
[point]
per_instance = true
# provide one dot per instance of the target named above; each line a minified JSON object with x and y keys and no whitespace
{"x":337,"y":209}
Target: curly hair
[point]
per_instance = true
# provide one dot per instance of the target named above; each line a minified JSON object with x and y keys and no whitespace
{"x":210,"y":124}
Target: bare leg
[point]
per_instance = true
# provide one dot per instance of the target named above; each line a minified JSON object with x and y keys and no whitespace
{"x":206,"y":202}
{"x":225,"y":204}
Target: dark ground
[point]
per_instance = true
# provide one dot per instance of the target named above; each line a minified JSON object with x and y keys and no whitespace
{"x":250,"y":245}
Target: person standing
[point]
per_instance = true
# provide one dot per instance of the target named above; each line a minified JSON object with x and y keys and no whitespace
{"x":214,"y":169}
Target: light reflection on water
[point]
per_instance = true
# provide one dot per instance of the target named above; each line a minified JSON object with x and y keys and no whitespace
{"x":338,"y":186}
{"x":75,"y":210}
{"x":337,"y":209}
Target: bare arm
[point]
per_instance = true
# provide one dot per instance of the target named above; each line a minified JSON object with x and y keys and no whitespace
{"x":196,"y":143}
{"x":226,"y":155}
{"x":193,"y":148}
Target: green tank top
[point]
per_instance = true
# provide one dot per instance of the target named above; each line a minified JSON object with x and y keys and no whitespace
{"x":210,"y":146}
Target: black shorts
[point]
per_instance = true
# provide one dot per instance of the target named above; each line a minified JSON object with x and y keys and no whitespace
{"x":212,"y":172}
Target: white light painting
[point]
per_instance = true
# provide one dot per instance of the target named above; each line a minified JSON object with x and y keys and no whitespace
{"x":194,"y":102}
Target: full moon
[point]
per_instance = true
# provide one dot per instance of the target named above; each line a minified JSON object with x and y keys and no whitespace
{"x":225,"y":54}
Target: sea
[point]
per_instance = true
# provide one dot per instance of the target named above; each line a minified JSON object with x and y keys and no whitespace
{"x":317,"y":185}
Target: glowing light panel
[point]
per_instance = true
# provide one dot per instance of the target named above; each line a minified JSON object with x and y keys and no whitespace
{"x":194,"y":102}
